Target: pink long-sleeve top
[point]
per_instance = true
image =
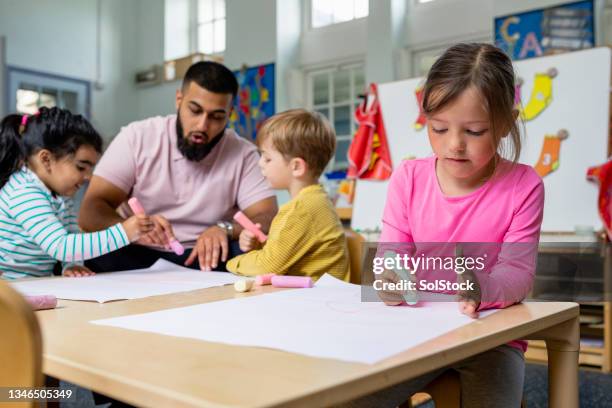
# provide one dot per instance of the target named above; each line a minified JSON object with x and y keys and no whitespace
{"x":508,"y":208}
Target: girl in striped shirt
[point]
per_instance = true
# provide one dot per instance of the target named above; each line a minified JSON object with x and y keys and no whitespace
{"x":44,"y":160}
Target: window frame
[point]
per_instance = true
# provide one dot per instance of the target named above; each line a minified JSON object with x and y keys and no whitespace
{"x":308,"y":16}
{"x":331,"y":105}
{"x":193,"y":30}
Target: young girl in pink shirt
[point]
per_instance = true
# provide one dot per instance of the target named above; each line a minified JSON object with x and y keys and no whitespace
{"x":472,"y":190}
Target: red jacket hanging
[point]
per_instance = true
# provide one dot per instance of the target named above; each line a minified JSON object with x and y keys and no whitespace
{"x":603,"y":176}
{"x":368,"y":155}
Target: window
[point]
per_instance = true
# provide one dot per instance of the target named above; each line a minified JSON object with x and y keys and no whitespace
{"x":193,"y":26}
{"x":30,"y":90}
{"x":211,"y":26}
{"x":335,"y":94}
{"x":327,"y":12}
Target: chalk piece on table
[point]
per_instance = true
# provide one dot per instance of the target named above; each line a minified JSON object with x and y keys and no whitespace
{"x":243,"y":285}
{"x":266,"y":279}
{"x":283,"y":281}
{"x":42,"y":302}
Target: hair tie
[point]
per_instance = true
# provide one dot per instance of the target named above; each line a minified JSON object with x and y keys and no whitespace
{"x":24,"y":122}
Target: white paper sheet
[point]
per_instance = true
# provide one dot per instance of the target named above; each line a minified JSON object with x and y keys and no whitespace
{"x":161,"y":278}
{"x":327,"y":321}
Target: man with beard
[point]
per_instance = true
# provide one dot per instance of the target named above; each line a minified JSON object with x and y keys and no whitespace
{"x":189,"y":172}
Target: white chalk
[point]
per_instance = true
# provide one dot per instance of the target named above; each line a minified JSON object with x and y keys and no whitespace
{"x":243,"y":285}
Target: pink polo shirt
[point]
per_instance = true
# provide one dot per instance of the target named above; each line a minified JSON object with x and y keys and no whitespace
{"x":144,"y":161}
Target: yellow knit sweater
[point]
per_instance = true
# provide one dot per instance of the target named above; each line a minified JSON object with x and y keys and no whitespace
{"x":306,"y":238}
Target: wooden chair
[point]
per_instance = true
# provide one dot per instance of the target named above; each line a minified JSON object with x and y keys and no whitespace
{"x":20,"y":343}
{"x":354,"y":242}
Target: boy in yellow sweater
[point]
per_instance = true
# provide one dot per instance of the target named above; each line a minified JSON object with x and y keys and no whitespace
{"x":306,"y":237}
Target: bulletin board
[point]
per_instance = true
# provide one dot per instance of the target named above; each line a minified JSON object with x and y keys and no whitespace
{"x":256,"y":99}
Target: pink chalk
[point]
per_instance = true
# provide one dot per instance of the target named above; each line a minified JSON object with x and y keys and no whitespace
{"x":138,"y":209}
{"x":283,"y":281}
{"x":42,"y":302}
{"x":248,"y":225}
{"x":136,"y":206}
{"x":177,"y":247}
{"x":266,"y":279}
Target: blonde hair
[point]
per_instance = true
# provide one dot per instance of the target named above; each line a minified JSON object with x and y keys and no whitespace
{"x":301,"y":133}
{"x":489,"y":70}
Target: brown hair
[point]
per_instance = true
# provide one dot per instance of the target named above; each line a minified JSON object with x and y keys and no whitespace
{"x":489,"y":70}
{"x":301,"y":133}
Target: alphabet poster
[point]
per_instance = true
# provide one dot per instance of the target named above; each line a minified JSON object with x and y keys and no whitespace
{"x":568,"y":27}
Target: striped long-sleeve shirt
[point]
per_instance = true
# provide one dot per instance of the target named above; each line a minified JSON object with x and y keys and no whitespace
{"x":38,"y":228}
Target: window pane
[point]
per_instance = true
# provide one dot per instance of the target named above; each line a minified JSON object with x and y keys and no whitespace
{"x":359,"y":81}
{"x":205,"y":11}
{"x":324,"y":112}
{"x":219,"y":9}
{"x":340,"y":158}
{"x":205,"y":38}
{"x":322,"y":13}
{"x":48,"y":98}
{"x":361,"y":8}
{"x":342,"y":120}
{"x":27,"y":101}
{"x":176,"y":29}
{"x":321,"y":89}
{"x":219,"y":26}
{"x":342,"y":84}
{"x":343,"y":10}
{"x":69,"y":100}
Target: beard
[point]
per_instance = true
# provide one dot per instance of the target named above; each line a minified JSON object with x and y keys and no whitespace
{"x":194,"y":152}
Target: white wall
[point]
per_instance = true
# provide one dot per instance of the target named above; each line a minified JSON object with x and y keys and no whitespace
{"x":251,"y":36}
{"x":333,"y":43}
{"x":159,"y":99}
{"x":38,"y":34}
{"x":59,"y":37}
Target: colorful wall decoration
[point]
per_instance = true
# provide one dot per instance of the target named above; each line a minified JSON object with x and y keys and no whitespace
{"x":255,"y":102}
{"x":568,"y":27}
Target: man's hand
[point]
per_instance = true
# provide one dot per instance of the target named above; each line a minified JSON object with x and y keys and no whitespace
{"x":161,"y":235}
{"x":77,"y":271}
{"x":211,"y":243}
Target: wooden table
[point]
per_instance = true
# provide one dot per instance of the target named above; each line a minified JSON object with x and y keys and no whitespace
{"x":148,"y":369}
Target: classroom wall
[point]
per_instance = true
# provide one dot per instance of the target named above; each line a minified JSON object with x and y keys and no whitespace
{"x":251,"y":40}
{"x":59,"y":37}
{"x":426,"y":26}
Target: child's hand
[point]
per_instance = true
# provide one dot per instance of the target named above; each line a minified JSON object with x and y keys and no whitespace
{"x":160,"y":234}
{"x":469,"y":301}
{"x":468,"y":308}
{"x":248,"y":241}
{"x":136,"y":226}
{"x":77,"y":271}
{"x":390,"y":297}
